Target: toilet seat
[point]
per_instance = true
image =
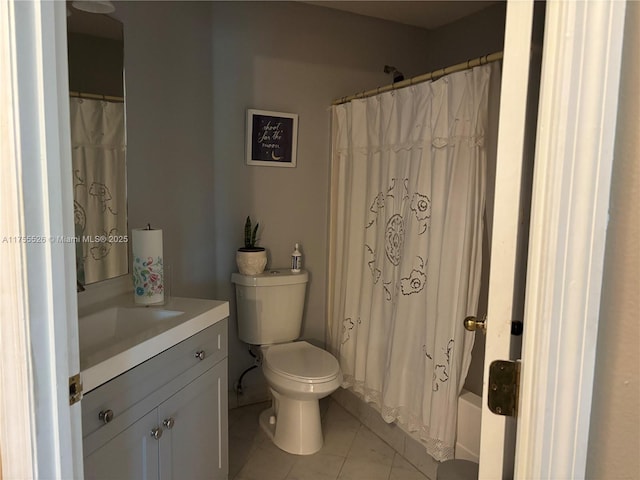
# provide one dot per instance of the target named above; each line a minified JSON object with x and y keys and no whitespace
{"x":301,"y":362}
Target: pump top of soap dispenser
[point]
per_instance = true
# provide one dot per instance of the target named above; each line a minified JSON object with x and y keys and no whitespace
{"x":296,"y":259}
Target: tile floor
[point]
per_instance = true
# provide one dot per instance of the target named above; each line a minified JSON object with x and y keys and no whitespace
{"x":351,"y":451}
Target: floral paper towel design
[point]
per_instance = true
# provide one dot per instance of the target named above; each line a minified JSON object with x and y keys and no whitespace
{"x":148,"y":270}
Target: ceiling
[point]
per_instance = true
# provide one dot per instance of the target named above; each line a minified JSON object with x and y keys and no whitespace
{"x":420,"y":13}
{"x":427,"y":14}
{"x":91,"y":24}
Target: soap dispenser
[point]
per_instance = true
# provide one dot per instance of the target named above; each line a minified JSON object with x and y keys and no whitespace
{"x":296,"y":259}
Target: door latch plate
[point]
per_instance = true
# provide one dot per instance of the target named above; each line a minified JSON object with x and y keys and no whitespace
{"x":504,"y":380}
{"x":75,"y":389}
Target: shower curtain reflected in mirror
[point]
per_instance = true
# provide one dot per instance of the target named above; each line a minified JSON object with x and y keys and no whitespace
{"x":408,"y":198}
{"x":99,"y":188}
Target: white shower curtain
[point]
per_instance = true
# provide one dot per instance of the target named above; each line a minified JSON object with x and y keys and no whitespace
{"x":408,"y":195}
{"x":99,"y":188}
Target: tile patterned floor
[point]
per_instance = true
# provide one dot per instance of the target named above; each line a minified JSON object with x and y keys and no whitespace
{"x":351,"y":451}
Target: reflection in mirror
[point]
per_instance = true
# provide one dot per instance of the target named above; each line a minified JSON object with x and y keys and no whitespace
{"x":96,"y":51}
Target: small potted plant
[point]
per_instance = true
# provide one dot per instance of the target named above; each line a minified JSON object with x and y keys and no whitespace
{"x":250,"y":259}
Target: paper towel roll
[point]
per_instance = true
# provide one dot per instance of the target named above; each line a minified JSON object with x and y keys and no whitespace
{"x":148,"y":271}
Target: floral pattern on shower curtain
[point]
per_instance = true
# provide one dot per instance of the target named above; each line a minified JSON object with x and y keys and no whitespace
{"x":99,"y":188}
{"x":408,"y":197}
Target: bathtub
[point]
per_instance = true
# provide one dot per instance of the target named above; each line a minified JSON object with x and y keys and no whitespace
{"x":468,"y":430}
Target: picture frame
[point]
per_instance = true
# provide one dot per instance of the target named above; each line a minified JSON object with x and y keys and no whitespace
{"x":272,"y":138}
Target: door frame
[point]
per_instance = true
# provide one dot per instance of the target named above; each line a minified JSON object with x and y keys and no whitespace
{"x":41,"y":435}
{"x":569,"y":215}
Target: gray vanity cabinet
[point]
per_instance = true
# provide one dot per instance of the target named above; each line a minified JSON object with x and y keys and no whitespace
{"x":195,"y":446}
{"x":133,"y":453}
{"x":164,"y":419}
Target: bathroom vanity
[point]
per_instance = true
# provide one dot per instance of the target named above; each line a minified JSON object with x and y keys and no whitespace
{"x":155,"y":379}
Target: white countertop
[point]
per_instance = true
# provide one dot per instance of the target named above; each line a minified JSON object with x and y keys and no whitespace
{"x":110,"y":346}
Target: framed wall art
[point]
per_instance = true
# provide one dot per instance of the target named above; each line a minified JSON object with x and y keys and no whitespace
{"x":272,"y":138}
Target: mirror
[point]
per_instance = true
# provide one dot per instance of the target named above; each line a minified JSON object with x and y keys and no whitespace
{"x":96,"y":63}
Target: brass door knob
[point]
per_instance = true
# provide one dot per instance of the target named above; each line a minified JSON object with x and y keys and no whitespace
{"x":472,"y":324}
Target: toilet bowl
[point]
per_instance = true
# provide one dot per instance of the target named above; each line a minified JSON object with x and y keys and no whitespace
{"x":270,"y":308}
{"x":299,"y":375}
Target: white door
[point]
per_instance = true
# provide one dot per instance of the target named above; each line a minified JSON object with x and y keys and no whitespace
{"x":40,"y":434}
{"x":509,"y":231}
{"x":571,"y":182}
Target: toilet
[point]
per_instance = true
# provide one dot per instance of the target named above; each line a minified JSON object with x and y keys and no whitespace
{"x":270,"y":307}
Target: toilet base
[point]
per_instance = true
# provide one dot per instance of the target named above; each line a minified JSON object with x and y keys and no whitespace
{"x":297,"y":428}
{"x":267,"y":427}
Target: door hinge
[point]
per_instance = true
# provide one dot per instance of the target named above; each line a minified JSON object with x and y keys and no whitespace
{"x":504,"y":383}
{"x":75,"y":389}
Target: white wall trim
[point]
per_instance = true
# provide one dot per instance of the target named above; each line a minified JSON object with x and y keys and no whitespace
{"x":17,"y":435}
{"x":45,"y":266}
{"x":574,"y":156}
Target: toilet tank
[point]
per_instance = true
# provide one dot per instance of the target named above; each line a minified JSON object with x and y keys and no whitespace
{"x":270,"y":305}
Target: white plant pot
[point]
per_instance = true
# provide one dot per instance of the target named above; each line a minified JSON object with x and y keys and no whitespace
{"x":251,"y":262}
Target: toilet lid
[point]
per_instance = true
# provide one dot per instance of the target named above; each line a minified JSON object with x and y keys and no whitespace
{"x":302,"y":361}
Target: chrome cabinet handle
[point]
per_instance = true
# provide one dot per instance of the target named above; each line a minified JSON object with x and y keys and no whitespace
{"x":200,"y":354}
{"x":169,"y":423}
{"x":105,"y":416}
{"x":156,"y":433}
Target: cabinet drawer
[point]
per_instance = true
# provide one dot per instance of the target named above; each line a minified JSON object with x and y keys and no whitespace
{"x":170,"y":366}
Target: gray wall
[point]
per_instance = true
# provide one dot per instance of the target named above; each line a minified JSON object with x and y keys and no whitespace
{"x":296,"y":58}
{"x":615,"y":418}
{"x":469,"y":37}
{"x":168,"y":77}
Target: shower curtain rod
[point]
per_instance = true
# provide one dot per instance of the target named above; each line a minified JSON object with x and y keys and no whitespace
{"x":96,"y":96}
{"x":492,"y":57}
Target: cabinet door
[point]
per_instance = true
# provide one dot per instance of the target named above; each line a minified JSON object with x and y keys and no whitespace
{"x":195,"y":445}
{"x":132,"y":454}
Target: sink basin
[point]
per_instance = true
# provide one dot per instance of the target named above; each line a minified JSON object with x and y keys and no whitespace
{"x":114,"y":324}
{"x":116,"y":335}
